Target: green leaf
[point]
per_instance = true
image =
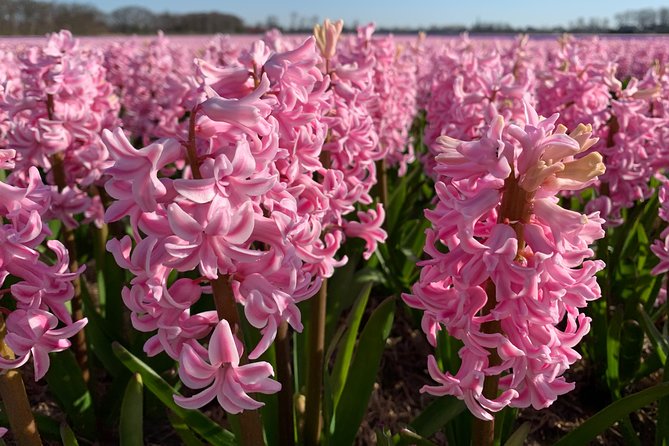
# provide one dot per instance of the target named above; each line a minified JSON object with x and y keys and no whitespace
{"x":662,"y":430}
{"x":435,"y":416}
{"x":519,"y":436}
{"x":343,"y":286}
{"x":186,"y":435}
{"x":631,"y":349}
{"x":631,"y":438}
{"x":383,"y":437}
{"x":346,"y":345}
{"x":67,"y":385}
{"x":359,"y":385}
{"x":660,"y":343}
{"x":648,"y":294}
{"x":100,"y":253}
{"x":196,"y":420}
{"x":395,"y":205}
{"x":412,"y":438}
{"x":613,"y":353}
{"x":504,"y":421}
{"x":67,"y":435}
{"x":99,"y":335}
{"x":603,"y":419}
{"x":131,"y":428}
{"x":54,"y":226}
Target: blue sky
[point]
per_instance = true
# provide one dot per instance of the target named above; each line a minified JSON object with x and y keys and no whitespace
{"x":414,"y":13}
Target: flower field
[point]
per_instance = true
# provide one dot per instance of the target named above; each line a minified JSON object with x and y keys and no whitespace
{"x":334,"y":239}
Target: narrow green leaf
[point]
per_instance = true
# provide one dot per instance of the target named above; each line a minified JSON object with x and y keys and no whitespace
{"x":435,"y":416}
{"x":519,"y":436}
{"x":383,"y":437}
{"x":67,"y":385}
{"x":100,"y":252}
{"x":359,"y":385}
{"x":413,"y":438}
{"x":346,"y":345}
{"x":396,"y":204}
{"x":55,"y":225}
{"x":613,"y":353}
{"x":615,"y":411}
{"x":99,"y":335}
{"x":186,"y":435}
{"x":343,"y":287}
{"x":504,"y":422}
{"x":631,"y":348}
{"x":200,"y":423}
{"x":631,"y":438}
{"x":114,"y":309}
{"x":648,"y":295}
{"x":67,"y":435}
{"x":660,"y":343}
{"x":131,"y":428}
{"x":662,"y":430}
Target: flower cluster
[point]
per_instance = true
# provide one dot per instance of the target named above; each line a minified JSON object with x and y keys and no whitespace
{"x":471,"y":80}
{"x":513,"y":280}
{"x":254,"y":198}
{"x":153,"y":84}
{"x":57,"y":109}
{"x":395,"y":89}
{"x":39,"y":284}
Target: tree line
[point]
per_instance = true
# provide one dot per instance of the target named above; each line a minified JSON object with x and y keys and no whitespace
{"x":36,"y":17}
{"x":33,"y":17}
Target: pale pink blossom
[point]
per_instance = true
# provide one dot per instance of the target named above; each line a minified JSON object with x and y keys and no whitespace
{"x":219,"y":370}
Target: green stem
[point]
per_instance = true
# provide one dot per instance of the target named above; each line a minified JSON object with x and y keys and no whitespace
{"x":314,"y":396}
{"x":285,"y":376}
{"x":226,"y":308}
{"x":13,"y":394}
{"x":515,"y":211}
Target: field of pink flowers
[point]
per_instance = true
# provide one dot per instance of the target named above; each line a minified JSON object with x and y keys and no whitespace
{"x":218,"y":240}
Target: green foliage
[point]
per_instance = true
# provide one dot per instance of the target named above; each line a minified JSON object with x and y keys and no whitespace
{"x":432,"y":419}
{"x":601,"y":421}
{"x":358,"y":323}
{"x":67,"y":435}
{"x":196,"y":420}
{"x":352,"y":405}
{"x":67,"y":385}
{"x":519,"y":436}
{"x":131,"y":429}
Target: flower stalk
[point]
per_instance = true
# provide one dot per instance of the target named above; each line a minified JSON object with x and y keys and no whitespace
{"x":285,"y":377}
{"x":224,"y":301}
{"x":314,"y":403}
{"x":514,"y":210}
{"x":79,"y":340}
{"x":15,"y":399}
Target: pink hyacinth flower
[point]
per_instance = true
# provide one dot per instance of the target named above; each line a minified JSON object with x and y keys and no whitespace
{"x":34,"y":331}
{"x":222,"y":375}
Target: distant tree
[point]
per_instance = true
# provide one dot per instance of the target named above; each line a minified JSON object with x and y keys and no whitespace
{"x":272,"y":22}
{"x":646,"y":18}
{"x":133,"y":19}
{"x":625,"y":19}
{"x":78,"y":18}
{"x":294,"y":17}
{"x":200,"y":23}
